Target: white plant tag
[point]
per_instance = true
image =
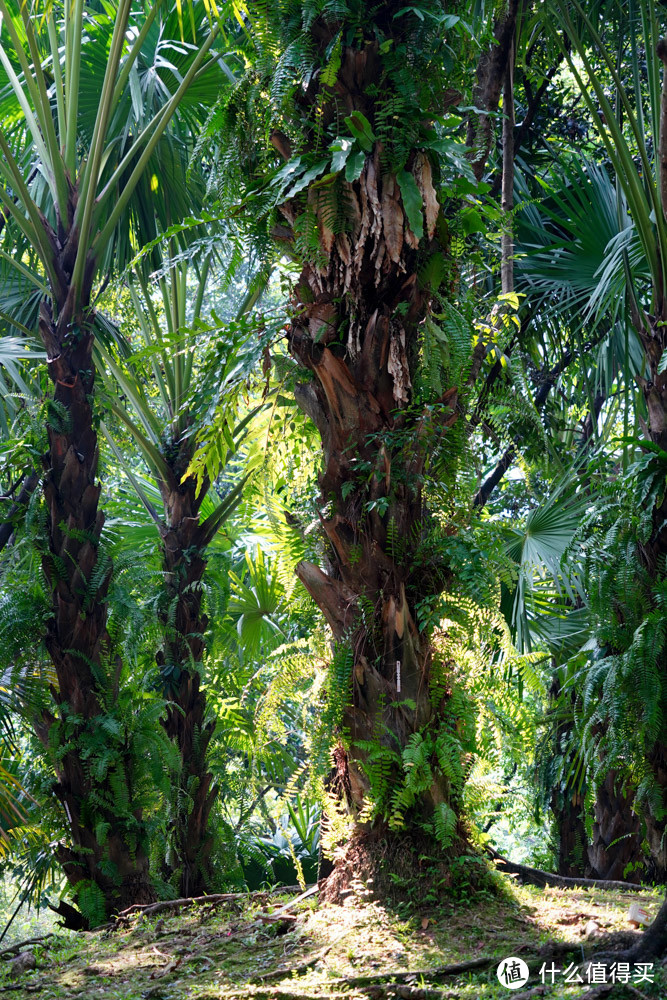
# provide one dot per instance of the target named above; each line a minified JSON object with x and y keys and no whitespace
{"x":638,"y":915}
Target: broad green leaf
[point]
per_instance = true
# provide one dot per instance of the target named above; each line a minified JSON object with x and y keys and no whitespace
{"x":472,"y":222}
{"x":412,"y":201}
{"x":306,"y":178}
{"x":354,"y":166}
{"x":340,"y":150}
{"x":360,"y":127}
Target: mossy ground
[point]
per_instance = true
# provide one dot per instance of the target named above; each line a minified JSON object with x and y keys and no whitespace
{"x":209,"y":953}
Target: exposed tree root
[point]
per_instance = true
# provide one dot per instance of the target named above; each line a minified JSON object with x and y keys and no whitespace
{"x":402,"y":976}
{"x":535,"y":876}
{"x":8,"y":952}
{"x":268,"y":977}
{"x":214,"y":899}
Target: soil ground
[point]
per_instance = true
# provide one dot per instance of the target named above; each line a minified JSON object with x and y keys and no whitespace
{"x":231,"y":951}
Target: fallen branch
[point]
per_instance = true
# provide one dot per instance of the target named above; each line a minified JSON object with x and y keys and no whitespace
{"x":23,"y":944}
{"x":310,"y":891}
{"x":146,"y":909}
{"x":214,"y":899}
{"x":535,"y":876}
{"x":401,"y":976}
{"x":282,"y":913}
{"x":633,"y":989}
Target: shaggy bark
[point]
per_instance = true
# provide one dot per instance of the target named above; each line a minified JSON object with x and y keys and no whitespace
{"x":184,"y":545}
{"x":77,"y":638}
{"x":357,"y":309}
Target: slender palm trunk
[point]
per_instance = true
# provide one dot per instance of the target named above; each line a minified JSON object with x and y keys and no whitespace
{"x":653,"y":553}
{"x":651,"y":331}
{"x":184,"y":562}
{"x":571,"y":832}
{"x":77,"y":638}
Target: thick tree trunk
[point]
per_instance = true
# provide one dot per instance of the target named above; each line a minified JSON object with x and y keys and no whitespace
{"x":358,"y":313}
{"x":655,"y":816}
{"x":374,"y":449}
{"x":617,"y":838}
{"x":77,"y":638}
{"x":183,"y":551}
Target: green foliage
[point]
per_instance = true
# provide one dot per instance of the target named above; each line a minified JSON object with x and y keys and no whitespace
{"x":619,"y":689}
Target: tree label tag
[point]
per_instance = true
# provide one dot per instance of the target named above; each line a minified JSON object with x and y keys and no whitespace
{"x":638,"y":915}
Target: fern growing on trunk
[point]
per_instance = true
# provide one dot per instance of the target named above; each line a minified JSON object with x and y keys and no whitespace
{"x":366,"y":199}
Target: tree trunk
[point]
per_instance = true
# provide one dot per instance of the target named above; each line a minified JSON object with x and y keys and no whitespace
{"x":357,"y":323}
{"x":183,"y":553}
{"x":116,"y":863}
{"x":375,"y":450}
{"x":617,"y":835}
{"x":572,"y":839}
{"x":651,"y":330}
{"x":652,"y":554}
{"x":655,"y":815}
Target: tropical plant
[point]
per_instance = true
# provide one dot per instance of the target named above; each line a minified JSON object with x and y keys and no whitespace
{"x":78,"y":144}
{"x":358,"y":99}
{"x":188,"y":373}
{"x":633,"y":139}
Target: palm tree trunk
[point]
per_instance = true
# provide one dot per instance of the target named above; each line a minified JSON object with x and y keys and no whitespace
{"x":572,"y":839}
{"x":653,"y":554}
{"x":356,"y":327}
{"x":77,"y":639}
{"x":617,"y":838}
{"x":184,"y":562}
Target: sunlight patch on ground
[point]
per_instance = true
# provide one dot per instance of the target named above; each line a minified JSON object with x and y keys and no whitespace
{"x":229,"y":953}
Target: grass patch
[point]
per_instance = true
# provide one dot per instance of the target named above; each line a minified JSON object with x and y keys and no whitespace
{"x":228,"y":952}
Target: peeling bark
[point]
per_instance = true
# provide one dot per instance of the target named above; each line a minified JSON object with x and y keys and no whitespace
{"x":355,"y":329}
